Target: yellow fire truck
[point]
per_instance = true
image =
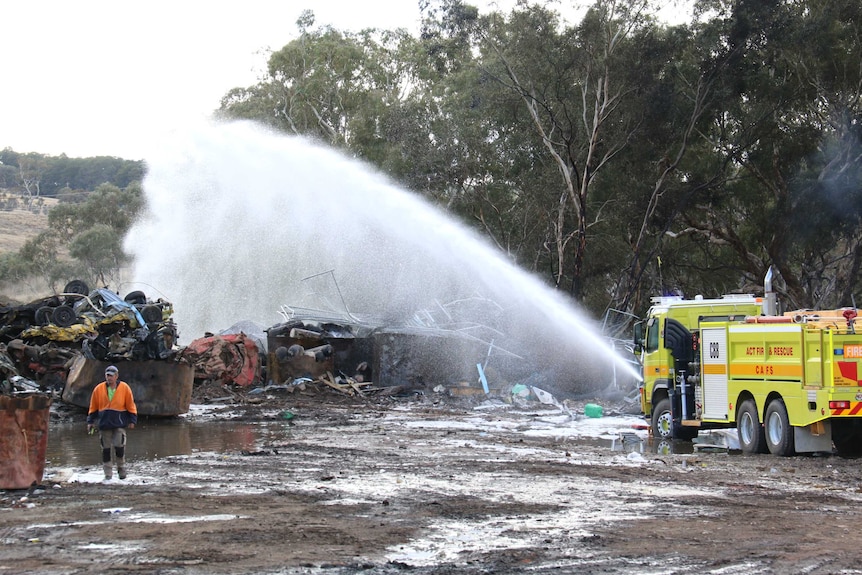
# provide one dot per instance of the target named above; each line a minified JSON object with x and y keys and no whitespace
{"x":789,"y":383}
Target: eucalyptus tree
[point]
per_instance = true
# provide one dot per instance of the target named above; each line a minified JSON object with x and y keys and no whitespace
{"x":781,"y":145}
{"x":92,"y":232}
{"x":666,"y":169}
{"x":31,"y":170}
{"x":479,"y":163}
{"x":329,"y":85}
{"x":612,"y":105}
{"x":419,"y":108}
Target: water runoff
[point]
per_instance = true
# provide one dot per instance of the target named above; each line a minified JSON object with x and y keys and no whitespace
{"x":242,"y":224}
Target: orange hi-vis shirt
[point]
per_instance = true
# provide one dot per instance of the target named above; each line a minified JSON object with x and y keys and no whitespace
{"x":113,"y":413}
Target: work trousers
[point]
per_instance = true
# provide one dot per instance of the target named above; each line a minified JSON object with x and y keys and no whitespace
{"x":116,"y":439}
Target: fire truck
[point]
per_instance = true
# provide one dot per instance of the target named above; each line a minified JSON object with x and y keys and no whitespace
{"x":789,"y":383}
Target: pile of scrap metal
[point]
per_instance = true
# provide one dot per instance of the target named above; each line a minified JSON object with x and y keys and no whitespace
{"x":11,"y":381}
{"x":48,"y":364}
{"x":359,"y":356}
{"x":110,"y":328}
{"x":97,"y":323}
{"x":14,"y":319}
{"x":335,"y":354}
{"x":65,"y":341}
{"x":447,"y":347}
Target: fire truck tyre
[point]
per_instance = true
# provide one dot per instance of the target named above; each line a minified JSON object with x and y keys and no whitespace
{"x":79,"y":287}
{"x":43,"y":315}
{"x":752,"y":438}
{"x":662,"y":420}
{"x":847,"y":437}
{"x":663,"y":426}
{"x":63,"y":316}
{"x":779,"y":434}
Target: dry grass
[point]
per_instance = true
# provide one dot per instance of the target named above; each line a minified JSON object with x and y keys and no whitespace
{"x":19,"y":225}
{"x":16,"y":227}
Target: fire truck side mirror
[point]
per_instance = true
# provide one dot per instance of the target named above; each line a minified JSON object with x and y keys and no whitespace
{"x":639,"y":337}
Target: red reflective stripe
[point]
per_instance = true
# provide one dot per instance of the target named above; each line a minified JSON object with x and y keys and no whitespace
{"x":854,"y":409}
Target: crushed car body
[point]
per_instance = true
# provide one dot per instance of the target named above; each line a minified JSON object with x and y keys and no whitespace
{"x":111,"y":328}
{"x":226,"y":358}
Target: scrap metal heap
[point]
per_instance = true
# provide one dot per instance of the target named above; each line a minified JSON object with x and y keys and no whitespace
{"x":457,"y":346}
{"x":62,"y":343}
{"x":468,"y":345}
{"x":45,"y":336}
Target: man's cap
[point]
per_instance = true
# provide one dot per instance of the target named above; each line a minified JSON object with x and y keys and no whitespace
{"x":111,"y":369}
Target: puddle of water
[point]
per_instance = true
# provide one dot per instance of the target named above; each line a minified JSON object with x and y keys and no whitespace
{"x":70,"y":446}
{"x":144,"y":517}
{"x":112,"y":548}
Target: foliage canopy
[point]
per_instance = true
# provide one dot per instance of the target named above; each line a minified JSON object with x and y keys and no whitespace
{"x":618,"y":156}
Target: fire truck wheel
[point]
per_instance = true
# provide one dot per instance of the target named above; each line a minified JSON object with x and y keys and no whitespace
{"x":752,"y":438}
{"x":779,"y":434}
{"x":662,"y":420}
{"x":663,"y":426}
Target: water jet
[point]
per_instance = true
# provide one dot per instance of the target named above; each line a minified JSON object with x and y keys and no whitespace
{"x":237,"y":217}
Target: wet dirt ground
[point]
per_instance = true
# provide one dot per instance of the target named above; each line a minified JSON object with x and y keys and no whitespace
{"x":437,"y":485}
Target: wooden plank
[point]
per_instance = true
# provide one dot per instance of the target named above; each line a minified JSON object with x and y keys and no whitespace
{"x":331,"y":383}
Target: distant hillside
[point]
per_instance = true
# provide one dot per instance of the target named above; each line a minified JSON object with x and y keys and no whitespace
{"x":55,"y":173}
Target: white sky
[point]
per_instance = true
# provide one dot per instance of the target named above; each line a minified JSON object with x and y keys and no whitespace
{"x":98,"y":77}
{"x":114,"y":78}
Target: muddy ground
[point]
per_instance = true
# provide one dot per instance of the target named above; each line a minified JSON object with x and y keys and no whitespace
{"x":429,"y":484}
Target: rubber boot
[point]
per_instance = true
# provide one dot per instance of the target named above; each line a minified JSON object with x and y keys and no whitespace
{"x":106,"y":462}
{"x":120,"y":453}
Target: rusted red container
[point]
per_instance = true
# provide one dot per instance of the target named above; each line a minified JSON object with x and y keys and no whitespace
{"x":23,"y":439}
